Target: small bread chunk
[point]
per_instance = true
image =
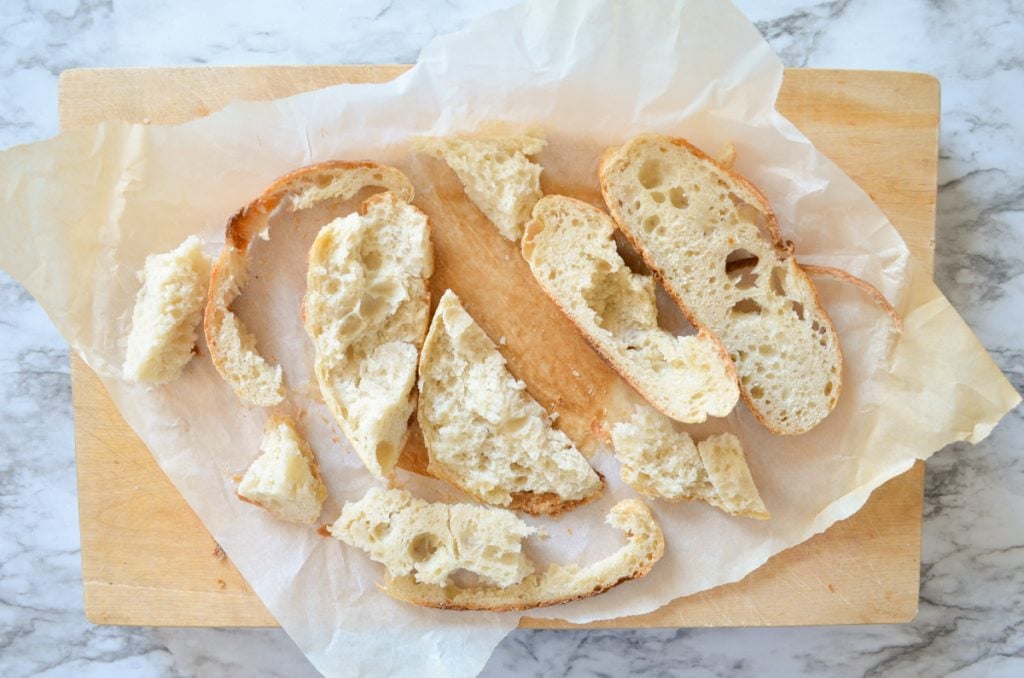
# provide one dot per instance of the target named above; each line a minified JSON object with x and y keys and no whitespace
{"x":232,"y":346}
{"x":366,"y":309}
{"x":484,"y":433}
{"x":727,"y":468}
{"x":559,"y":584}
{"x":661,"y":463}
{"x":713,"y":240}
{"x":428,"y":542}
{"x":570,"y":247}
{"x":284,"y":479}
{"x":168,"y":308}
{"x":497,"y":174}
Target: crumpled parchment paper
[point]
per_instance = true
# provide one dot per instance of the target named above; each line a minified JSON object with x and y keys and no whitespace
{"x":80,"y":212}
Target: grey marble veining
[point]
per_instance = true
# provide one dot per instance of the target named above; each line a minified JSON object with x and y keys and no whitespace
{"x":972,"y":591}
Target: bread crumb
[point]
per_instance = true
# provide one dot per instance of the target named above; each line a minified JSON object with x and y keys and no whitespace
{"x":218,"y":552}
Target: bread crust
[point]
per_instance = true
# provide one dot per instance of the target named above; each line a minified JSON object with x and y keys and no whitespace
{"x":784,"y":250}
{"x":872,"y":291}
{"x":230,"y":270}
{"x":504,"y":600}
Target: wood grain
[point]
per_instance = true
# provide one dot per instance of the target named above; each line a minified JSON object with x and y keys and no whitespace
{"x":146,"y":558}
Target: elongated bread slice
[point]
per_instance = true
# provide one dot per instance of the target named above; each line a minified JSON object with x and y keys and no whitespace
{"x":484,"y":433}
{"x":428,"y":542}
{"x":559,"y":584}
{"x":661,"y":463}
{"x":497,"y":174}
{"x":714,"y":242}
{"x":570,"y":247}
{"x":366,"y":309}
{"x":232,"y":345}
{"x":168,"y":308}
{"x":284,"y":479}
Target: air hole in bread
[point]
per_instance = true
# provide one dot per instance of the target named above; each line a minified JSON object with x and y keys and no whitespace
{"x":678,"y":198}
{"x":423,"y":546}
{"x":379,"y":531}
{"x":828,"y":388}
{"x":739,"y":266}
{"x":372,"y":260}
{"x":765,"y":349}
{"x":776,"y":281}
{"x":384,"y":451}
{"x":651,"y":222}
{"x":756,"y":392}
{"x":658,"y":197}
{"x":650,"y":174}
{"x":510,"y":427}
{"x":798,"y":308}
{"x":746,"y":307}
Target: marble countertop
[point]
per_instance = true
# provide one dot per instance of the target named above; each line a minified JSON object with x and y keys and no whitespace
{"x":972,"y":577}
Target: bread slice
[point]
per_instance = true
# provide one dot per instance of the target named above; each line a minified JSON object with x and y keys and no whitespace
{"x":429,"y":542}
{"x":232,"y":346}
{"x":366,"y":309}
{"x":660,"y":462}
{"x":483,"y":432}
{"x":713,"y":240}
{"x":167,"y":310}
{"x":570,"y":247}
{"x":285,"y":478}
{"x":558,"y":584}
{"x":497,"y":174}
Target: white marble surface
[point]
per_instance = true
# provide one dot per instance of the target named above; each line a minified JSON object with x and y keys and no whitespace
{"x":972,"y":592}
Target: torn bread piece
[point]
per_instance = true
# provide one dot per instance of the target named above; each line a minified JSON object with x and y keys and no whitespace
{"x":366,"y":309}
{"x":483,"y":432}
{"x":284,"y":479}
{"x":168,"y":308}
{"x":570,"y":247}
{"x":713,"y":240}
{"x":428,"y":542}
{"x":660,"y":462}
{"x":496,"y":173}
{"x":645,"y":545}
{"x":232,"y":345}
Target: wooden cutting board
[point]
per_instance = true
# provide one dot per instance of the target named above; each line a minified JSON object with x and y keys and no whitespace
{"x":147,"y":560}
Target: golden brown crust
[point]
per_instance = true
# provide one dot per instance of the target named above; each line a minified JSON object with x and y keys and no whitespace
{"x":549,"y":503}
{"x":784,"y":248}
{"x":872,"y":291}
{"x":455,"y":598}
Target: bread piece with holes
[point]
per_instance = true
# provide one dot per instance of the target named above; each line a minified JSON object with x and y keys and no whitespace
{"x":558,"y":584}
{"x":232,"y":346}
{"x":570,"y":247}
{"x":713,"y":240}
{"x":366,"y":309}
{"x":483,"y":432}
{"x":660,"y":462}
{"x":496,"y":173}
{"x":428,"y":542}
{"x":167,"y":310}
{"x":284,"y":479}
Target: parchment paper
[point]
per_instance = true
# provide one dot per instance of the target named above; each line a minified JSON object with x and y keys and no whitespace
{"x":81,"y":211}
